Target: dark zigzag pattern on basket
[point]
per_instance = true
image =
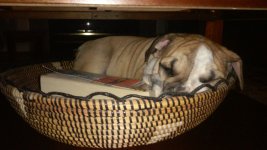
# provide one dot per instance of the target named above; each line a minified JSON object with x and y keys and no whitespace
{"x":129,"y":104}
{"x":166,"y":94}
{"x":213,"y":88}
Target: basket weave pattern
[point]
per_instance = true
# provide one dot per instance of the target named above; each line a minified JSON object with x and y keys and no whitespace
{"x":104,"y":123}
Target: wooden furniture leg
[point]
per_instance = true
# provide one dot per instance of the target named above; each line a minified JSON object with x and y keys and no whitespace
{"x":214,"y":30}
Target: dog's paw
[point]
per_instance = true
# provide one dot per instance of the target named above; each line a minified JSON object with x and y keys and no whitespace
{"x":173,"y":87}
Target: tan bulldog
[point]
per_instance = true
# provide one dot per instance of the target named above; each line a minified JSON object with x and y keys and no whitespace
{"x":173,"y":62}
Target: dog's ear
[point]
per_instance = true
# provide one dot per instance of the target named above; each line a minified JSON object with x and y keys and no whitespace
{"x":238,"y":67}
{"x":158,"y":45}
{"x":236,"y":63}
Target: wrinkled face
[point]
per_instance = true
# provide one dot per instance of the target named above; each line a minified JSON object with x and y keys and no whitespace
{"x":183,"y":72}
{"x":181,"y":63}
{"x":186,"y":62}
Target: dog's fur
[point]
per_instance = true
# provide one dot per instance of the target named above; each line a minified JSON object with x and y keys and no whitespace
{"x":173,"y":62}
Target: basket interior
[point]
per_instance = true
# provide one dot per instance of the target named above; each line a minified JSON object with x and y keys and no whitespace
{"x":28,"y":77}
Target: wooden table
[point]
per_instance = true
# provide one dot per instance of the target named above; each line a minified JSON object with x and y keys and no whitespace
{"x":130,"y":9}
{"x":159,"y":5}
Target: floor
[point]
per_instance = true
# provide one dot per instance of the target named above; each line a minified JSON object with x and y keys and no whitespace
{"x":256,"y":85}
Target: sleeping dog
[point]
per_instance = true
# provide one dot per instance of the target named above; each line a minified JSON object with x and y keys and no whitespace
{"x":172,"y":62}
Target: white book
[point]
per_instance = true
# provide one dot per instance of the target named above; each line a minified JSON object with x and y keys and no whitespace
{"x":83,"y":84}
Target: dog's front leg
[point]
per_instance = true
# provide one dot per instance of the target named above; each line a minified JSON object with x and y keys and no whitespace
{"x":155,"y":85}
{"x":152,"y":78}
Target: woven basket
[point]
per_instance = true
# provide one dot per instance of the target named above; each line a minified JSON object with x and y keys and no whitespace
{"x":105,"y":123}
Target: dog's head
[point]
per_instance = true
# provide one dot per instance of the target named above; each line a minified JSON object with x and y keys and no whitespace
{"x":180,"y":62}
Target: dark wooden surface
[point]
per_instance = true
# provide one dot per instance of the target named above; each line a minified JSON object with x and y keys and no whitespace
{"x":184,"y":4}
{"x":238,"y":123}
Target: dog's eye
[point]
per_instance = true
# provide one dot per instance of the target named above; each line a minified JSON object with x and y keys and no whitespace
{"x":207,"y":78}
{"x":168,"y":71}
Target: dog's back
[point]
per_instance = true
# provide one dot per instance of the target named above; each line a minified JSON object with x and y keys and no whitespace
{"x":121,"y":56}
